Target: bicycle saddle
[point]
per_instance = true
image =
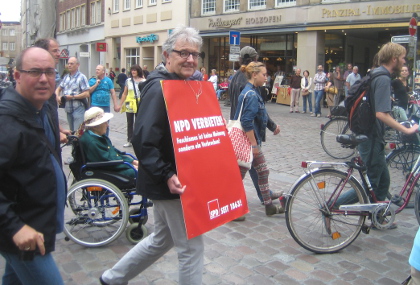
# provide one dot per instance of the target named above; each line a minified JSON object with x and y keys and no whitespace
{"x":351,"y":140}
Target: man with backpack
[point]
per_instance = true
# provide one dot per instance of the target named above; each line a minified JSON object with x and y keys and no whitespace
{"x":390,"y":59}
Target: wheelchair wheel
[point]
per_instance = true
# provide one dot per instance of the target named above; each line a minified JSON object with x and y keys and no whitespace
{"x":135,"y":234}
{"x":135,"y":212}
{"x":96,"y":214}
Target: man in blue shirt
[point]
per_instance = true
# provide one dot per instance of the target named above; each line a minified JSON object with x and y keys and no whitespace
{"x":101,"y":90}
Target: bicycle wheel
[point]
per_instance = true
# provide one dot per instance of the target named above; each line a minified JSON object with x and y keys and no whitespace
{"x":310,"y":224}
{"x":417,"y":206}
{"x":329,"y":132}
{"x":400,"y":161}
{"x":97,"y":213}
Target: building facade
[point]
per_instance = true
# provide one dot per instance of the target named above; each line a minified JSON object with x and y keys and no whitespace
{"x":303,"y":33}
{"x":80,"y":32}
{"x":135,"y":30}
{"x":10,"y":43}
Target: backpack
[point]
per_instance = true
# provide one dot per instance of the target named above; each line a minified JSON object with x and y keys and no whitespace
{"x":360,"y":105}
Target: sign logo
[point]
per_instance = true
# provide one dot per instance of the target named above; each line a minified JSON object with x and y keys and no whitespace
{"x":150,"y":38}
{"x":100,"y":46}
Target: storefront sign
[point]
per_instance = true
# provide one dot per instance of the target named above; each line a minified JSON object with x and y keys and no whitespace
{"x":400,"y":39}
{"x":205,"y":161}
{"x":150,"y":38}
{"x":219,"y":23}
{"x":84,"y":54}
{"x":370,"y":11}
{"x":101,"y":47}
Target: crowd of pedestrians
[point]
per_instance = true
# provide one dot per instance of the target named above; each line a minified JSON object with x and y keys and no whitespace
{"x":31,"y":156}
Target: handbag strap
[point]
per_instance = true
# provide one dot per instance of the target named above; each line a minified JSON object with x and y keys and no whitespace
{"x":242,"y":105}
{"x":134,"y":87}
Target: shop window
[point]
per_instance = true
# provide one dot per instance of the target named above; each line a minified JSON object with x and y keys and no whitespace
{"x":256,"y":4}
{"x":283,"y":3}
{"x":208,"y":7}
{"x":116,"y":5}
{"x":132,"y":57}
{"x":231,"y":6}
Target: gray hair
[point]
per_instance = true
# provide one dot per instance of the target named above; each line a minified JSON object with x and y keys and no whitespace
{"x":181,"y":33}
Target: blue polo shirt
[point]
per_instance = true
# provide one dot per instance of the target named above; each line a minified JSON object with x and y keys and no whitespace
{"x":102,"y":94}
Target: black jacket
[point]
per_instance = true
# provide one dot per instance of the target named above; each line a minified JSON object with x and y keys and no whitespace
{"x":28,"y":189}
{"x":152,"y":140}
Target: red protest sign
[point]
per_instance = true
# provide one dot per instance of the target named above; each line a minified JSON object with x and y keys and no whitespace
{"x":204,"y":156}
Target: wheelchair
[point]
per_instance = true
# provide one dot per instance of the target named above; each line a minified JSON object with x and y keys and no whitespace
{"x":100,"y":203}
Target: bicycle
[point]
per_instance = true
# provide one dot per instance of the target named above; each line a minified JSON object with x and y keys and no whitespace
{"x":318,"y":225}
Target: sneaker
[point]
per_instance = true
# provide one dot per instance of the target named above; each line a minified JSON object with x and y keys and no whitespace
{"x":304,"y":112}
{"x":313,"y":115}
{"x":291,"y":111}
{"x":311,"y":112}
{"x":128,"y":144}
{"x":273,"y":210}
{"x":297,"y":112}
{"x":102,"y":281}
{"x":240,"y":219}
{"x":319,"y":115}
{"x":393,"y":226}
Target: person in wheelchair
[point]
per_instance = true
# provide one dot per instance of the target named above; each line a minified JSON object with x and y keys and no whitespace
{"x":97,"y":146}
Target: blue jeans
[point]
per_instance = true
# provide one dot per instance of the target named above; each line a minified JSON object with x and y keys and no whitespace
{"x":76,"y":118}
{"x":307,"y":98}
{"x":372,"y":153}
{"x":318,"y":98}
{"x":219,"y":93}
{"x":40,"y":270}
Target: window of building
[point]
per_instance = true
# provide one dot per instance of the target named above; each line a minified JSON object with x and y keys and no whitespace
{"x":77,"y":20}
{"x":209,"y":7}
{"x":256,"y":4}
{"x":98,"y":12}
{"x":12,"y":32}
{"x":116,"y":6}
{"x":73,"y":18}
{"x":166,"y":1}
{"x":283,"y":3}
{"x":68,"y":20}
{"x":11,"y":46}
{"x":5,"y":46}
{"x":62,"y":22}
{"x":231,"y":6}
{"x":152,"y":2}
{"x":139,"y":3}
{"x":83,"y":15}
{"x":5,"y":32}
{"x":127,"y":4}
{"x":132,"y":57}
{"x":93,"y":13}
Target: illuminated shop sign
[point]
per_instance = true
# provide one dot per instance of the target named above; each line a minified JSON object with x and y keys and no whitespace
{"x":219,"y":23}
{"x":150,"y":38}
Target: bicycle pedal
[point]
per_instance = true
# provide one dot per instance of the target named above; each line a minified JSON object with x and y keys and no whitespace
{"x":365,"y":229}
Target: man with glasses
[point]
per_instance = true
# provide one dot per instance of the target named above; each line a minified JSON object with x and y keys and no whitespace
{"x":32,"y":183}
{"x":51,"y":45}
{"x":157,"y":176}
{"x":75,"y":87}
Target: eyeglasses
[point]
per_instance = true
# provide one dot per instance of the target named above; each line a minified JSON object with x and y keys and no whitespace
{"x":185,"y":54}
{"x":35,"y":73}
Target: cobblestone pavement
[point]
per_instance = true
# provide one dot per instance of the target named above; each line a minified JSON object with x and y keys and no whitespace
{"x":259,"y":250}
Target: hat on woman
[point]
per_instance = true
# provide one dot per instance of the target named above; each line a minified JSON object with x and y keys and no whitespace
{"x":250,"y":51}
{"x":96,"y":116}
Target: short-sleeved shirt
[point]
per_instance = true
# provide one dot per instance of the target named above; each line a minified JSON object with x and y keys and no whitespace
{"x":352,"y":78}
{"x":74,"y":85}
{"x":102,"y":94}
{"x":381,"y":90}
